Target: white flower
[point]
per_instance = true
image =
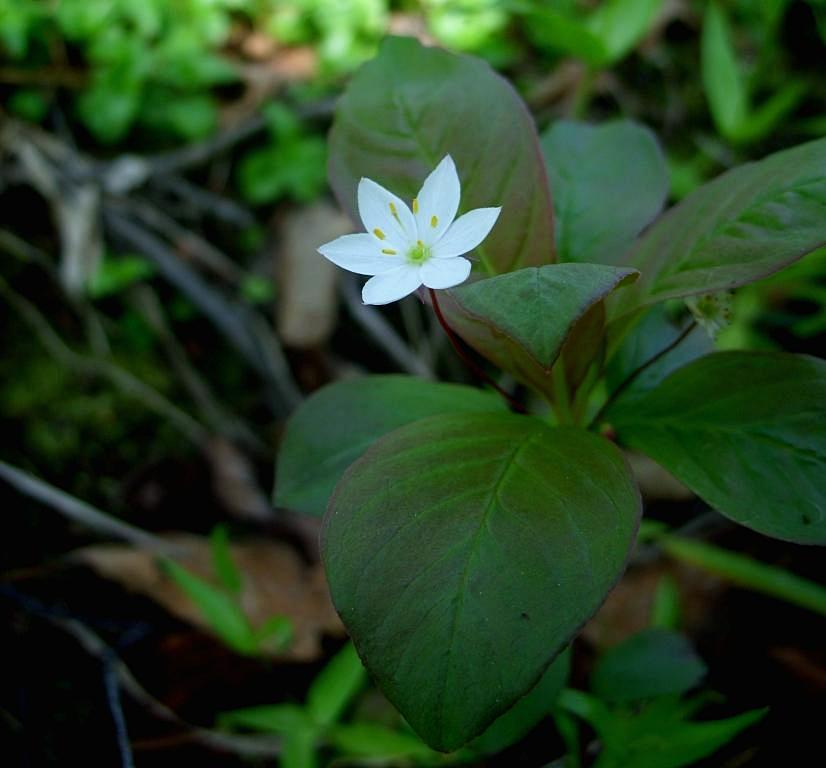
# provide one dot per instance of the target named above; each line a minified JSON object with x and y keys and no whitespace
{"x":402,"y":249}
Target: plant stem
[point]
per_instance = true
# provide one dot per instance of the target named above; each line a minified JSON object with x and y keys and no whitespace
{"x":475,"y":369}
{"x":562,"y":399}
{"x":741,"y":569}
{"x":612,"y":398}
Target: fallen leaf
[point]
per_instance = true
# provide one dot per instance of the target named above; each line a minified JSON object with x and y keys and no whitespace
{"x":276,"y":582}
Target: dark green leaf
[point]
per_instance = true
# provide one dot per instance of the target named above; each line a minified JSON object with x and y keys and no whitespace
{"x":528,"y":711}
{"x":464,"y":551}
{"x":609,"y":182}
{"x":339,"y":423}
{"x":742,"y":226}
{"x":409,"y":107}
{"x":654,"y":662}
{"x":335,"y":686}
{"x":521,"y":320}
{"x":648,"y":338}
{"x":746,"y":431}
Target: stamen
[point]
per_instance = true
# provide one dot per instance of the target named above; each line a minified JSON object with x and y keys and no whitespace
{"x":394,"y":213}
{"x":415,"y":205}
{"x":434,"y":221}
{"x":379,"y":234}
{"x":389,"y":251}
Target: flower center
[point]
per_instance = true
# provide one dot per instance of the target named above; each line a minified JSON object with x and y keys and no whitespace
{"x":418,"y":254}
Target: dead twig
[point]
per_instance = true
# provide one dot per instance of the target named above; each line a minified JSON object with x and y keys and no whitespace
{"x":81,"y":512}
{"x":125,"y":381}
{"x":247,"y":332}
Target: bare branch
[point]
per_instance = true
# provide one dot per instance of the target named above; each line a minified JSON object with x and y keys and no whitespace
{"x":81,"y":512}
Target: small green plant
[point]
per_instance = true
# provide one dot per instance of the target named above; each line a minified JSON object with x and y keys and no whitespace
{"x":221,"y":607}
{"x":294,"y":165}
{"x":465,"y":545}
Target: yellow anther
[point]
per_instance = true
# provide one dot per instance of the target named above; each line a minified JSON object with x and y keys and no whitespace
{"x":393,"y":208}
{"x":420,"y":243}
{"x":415,"y":205}
{"x":434,"y":221}
{"x":389,"y":251}
{"x":379,"y":234}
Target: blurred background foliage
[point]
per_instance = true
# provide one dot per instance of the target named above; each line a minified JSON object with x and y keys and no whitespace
{"x":162,"y":191}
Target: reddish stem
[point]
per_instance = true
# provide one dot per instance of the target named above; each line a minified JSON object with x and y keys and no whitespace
{"x":474,"y":368}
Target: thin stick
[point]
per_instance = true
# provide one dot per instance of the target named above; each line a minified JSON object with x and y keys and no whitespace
{"x":80,"y":511}
{"x":475,"y":369}
{"x":635,"y":373}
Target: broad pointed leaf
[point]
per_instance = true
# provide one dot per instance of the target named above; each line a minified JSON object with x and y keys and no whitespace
{"x":654,"y":662}
{"x":337,"y":424}
{"x":464,"y":551}
{"x":609,"y":182}
{"x":409,"y":107}
{"x":521,"y":320}
{"x":746,"y":431}
{"x":744,"y":225}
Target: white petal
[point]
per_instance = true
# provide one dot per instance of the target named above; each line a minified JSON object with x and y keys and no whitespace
{"x":361,"y":254}
{"x":466,"y":233}
{"x":444,"y":273}
{"x":391,"y":286}
{"x":376,"y":206}
{"x":438,"y":201}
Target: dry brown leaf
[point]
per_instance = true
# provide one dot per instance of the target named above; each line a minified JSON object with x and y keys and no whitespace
{"x":627,"y":609}
{"x":276,"y":582}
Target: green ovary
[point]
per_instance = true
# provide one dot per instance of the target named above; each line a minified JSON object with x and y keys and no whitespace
{"x":418,"y":254}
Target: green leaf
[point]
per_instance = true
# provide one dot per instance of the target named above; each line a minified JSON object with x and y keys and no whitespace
{"x":380,"y":742}
{"x":109,"y":107}
{"x":518,"y":721}
{"x":277,"y":718}
{"x":648,"y":338}
{"x":765,"y":118}
{"x":335,"y":426}
{"x":276,"y":632}
{"x":334,"y":687}
{"x":609,"y":182}
{"x":563,"y":33}
{"x":116,"y":273}
{"x":464,"y":551}
{"x":409,"y":107}
{"x":299,"y":749}
{"x":220,"y":610}
{"x":521,"y":320}
{"x":621,"y":24}
{"x":654,"y":662}
{"x":744,"y":225}
{"x":222,"y":562}
{"x":746,"y":431}
{"x":722,"y":78}
{"x":294,"y":167}
{"x":744,"y":571}
{"x":660,"y":735}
